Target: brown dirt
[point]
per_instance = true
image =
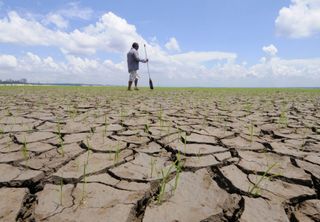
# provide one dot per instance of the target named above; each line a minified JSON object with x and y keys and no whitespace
{"x":104,"y":154}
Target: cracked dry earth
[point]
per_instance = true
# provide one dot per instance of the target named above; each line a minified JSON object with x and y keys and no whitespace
{"x":105,"y":154}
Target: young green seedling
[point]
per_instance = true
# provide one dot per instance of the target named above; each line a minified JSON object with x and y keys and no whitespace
{"x":146,"y":128}
{"x":58,"y":127}
{"x":224,"y":126}
{"x":152,"y":164}
{"x":205,"y":119}
{"x":61,"y":190}
{"x":9,"y":113}
{"x":89,"y":150}
{"x":74,"y":113}
{"x":95,"y":115}
{"x":160,"y":118}
{"x":77,"y":164}
{"x":303,"y":140}
{"x":199,"y":154}
{"x":160,"y":113}
{"x":184,"y":138}
{"x":69,"y":110}
{"x":25,"y":151}
{"x":178,"y":166}
{"x":251,"y":131}
{"x":169,"y":127}
{"x":165,"y":176}
{"x":60,"y":138}
{"x":255,"y":189}
{"x":105,"y":128}
{"x":283,"y":119}
{"x":61,"y":146}
{"x":86,"y":118}
{"x":30,"y":127}
{"x":248,"y":107}
{"x":83,"y":196}
{"x":116,"y":155}
{"x":122,"y":115}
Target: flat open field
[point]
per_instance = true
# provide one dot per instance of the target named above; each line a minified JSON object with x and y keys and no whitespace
{"x":106,"y":154}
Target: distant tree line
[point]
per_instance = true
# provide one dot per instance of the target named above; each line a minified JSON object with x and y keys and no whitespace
{"x":11,"y":81}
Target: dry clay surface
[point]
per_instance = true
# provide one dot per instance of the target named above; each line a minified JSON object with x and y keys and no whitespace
{"x":105,"y":154}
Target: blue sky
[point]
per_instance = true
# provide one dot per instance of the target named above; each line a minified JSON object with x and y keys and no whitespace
{"x":232,"y":43}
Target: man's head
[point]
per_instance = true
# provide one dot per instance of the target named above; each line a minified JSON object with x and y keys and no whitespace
{"x":135,"y":45}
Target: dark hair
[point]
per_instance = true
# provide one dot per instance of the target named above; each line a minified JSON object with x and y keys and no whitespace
{"x":135,"y":45}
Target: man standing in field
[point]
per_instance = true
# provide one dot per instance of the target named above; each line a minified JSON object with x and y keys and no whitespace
{"x":133,"y":65}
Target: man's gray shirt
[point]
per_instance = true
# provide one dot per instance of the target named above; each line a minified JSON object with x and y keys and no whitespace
{"x":133,"y":60}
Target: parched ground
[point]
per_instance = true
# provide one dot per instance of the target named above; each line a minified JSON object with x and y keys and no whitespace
{"x":106,"y":154}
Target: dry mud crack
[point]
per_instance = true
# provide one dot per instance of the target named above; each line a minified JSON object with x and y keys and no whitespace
{"x":104,"y":154}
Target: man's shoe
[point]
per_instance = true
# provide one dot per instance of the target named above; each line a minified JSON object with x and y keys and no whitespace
{"x":136,"y":88}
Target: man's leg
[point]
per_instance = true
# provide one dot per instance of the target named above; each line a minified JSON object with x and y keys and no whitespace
{"x":129,"y":85}
{"x":136,"y":84}
{"x":131,"y":77}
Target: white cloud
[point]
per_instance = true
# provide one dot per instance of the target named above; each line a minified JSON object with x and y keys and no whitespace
{"x":73,"y":70}
{"x":33,"y":59}
{"x":270,"y":50}
{"x":82,"y":65}
{"x":172,"y":45}
{"x":60,"y":17}
{"x":73,"y":10}
{"x":30,"y":32}
{"x":169,"y":72}
{"x":8,"y":61}
{"x":301,"y":19}
{"x":110,"y":34}
{"x":200,"y":57}
{"x":263,"y":60}
{"x":57,"y":20}
{"x":307,"y":69}
{"x":113,"y":34}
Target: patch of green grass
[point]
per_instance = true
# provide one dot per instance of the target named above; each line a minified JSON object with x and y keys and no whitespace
{"x":283,"y":119}
{"x":163,"y":184}
{"x":255,"y":189}
{"x":117,"y":153}
{"x":25,"y":151}
{"x":165,"y":178}
{"x":251,"y":131}
{"x":152,"y":165}
{"x":146,"y":128}
{"x":248,"y":107}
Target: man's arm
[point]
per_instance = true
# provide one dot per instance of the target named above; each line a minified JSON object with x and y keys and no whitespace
{"x":136,"y":57}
